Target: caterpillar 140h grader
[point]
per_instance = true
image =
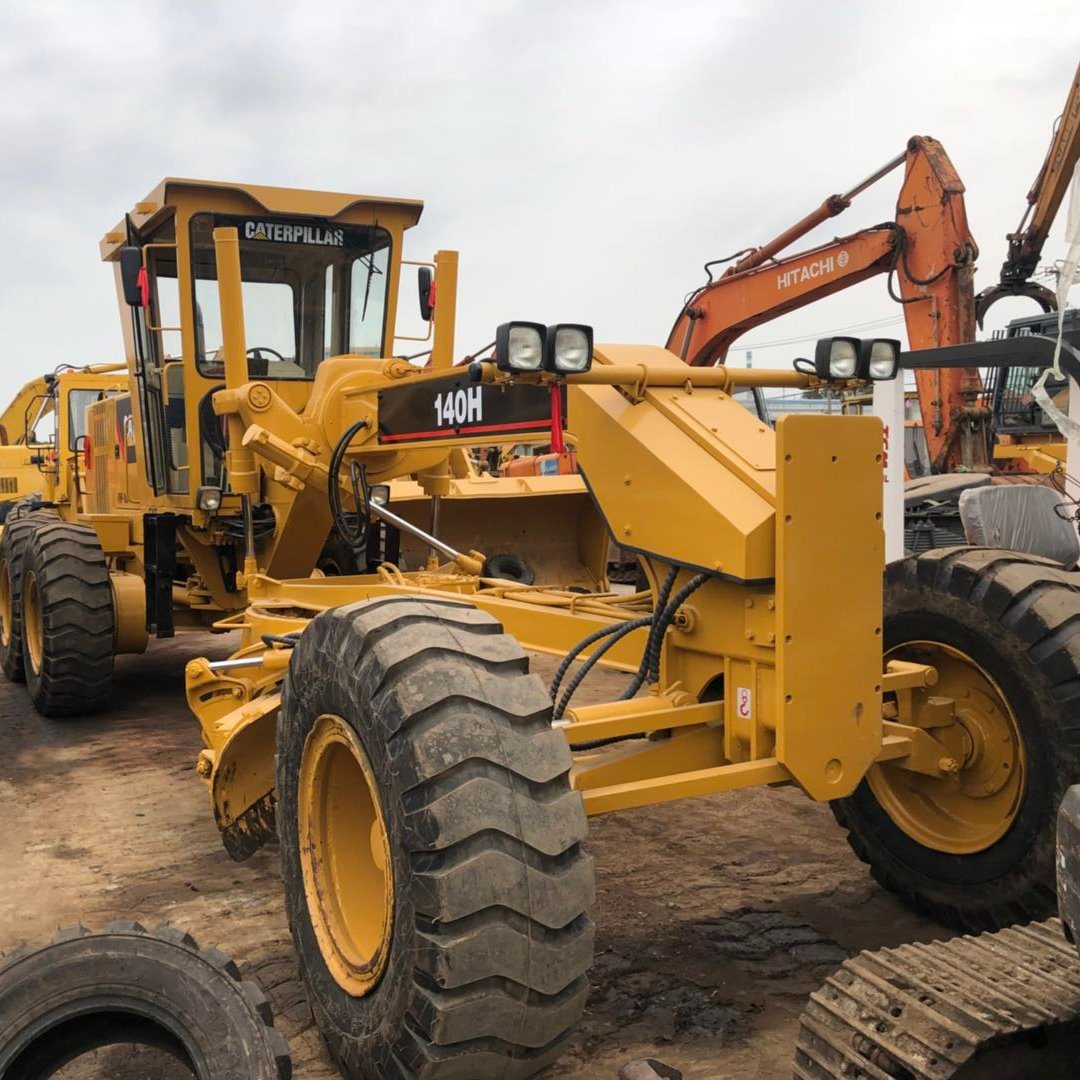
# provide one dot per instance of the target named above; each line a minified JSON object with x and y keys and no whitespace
{"x":141,"y":472}
{"x":429,"y":794}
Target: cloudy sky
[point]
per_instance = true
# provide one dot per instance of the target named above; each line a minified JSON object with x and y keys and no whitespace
{"x":585,"y":157}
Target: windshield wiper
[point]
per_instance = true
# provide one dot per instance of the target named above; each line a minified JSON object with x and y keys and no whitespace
{"x":371,"y":269}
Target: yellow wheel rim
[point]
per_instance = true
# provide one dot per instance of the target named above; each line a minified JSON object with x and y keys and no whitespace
{"x":5,"y":603}
{"x":345,"y":856}
{"x":968,"y":810}
{"x":35,"y":636}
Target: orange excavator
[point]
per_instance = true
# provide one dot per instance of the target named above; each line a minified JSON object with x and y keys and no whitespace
{"x":928,"y":256}
{"x":1043,"y":201}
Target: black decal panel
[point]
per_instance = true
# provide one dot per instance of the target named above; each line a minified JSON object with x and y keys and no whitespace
{"x":461,"y":409}
{"x":125,"y":431}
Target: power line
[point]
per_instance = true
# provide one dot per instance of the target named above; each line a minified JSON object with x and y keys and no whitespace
{"x":875,"y":324}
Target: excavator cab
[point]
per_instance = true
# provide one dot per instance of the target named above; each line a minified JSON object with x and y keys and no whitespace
{"x":1026,"y":438}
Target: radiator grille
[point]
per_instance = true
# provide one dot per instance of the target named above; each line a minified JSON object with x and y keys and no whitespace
{"x":101,"y":445}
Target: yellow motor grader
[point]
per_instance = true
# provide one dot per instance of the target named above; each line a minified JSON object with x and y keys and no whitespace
{"x":429,"y":794}
{"x":139,"y":488}
{"x":41,"y":431}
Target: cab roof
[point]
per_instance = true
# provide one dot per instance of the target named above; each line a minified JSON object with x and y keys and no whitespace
{"x":272,"y":200}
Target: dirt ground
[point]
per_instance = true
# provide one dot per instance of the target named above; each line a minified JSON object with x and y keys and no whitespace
{"x":715,"y":917}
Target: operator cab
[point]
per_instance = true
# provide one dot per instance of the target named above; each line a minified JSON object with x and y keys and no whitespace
{"x":320,"y":275}
{"x":311,"y":291}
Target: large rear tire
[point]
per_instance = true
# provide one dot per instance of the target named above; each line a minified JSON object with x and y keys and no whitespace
{"x":435,"y":882}
{"x":975,"y":849}
{"x":68,"y":623}
{"x":18,"y":525}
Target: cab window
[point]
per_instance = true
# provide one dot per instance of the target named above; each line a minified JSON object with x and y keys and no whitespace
{"x":311,"y":289}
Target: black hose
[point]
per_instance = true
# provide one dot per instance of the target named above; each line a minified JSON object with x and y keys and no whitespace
{"x":662,"y":617}
{"x":596,"y":635}
{"x":353,"y":528}
{"x":614,"y":635}
{"x":286,"y":640}
{"x":650,"y":662}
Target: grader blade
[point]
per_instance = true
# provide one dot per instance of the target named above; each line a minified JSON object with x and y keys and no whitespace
{"x":550,"y":523}
{"x":1003,"y":1005}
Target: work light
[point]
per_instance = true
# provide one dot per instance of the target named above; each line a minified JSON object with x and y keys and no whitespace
{"x":837,"y":358}
{"x":208,"y":499}
{"x":569,"y":348}
{"x":519,"y":346}
{"x":379,"y":494}
{"x":879,"y":359}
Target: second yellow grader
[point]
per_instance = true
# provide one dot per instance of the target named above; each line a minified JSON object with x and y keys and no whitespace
{"x":430,"y":795}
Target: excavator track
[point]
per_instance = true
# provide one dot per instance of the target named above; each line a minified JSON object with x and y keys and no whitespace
{"x":930,"y":1011}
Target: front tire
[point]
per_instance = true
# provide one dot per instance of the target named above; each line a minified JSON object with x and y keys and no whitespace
{"x":68,"y":623}
{"x":435,"y":882}
{"x":975,"y":850}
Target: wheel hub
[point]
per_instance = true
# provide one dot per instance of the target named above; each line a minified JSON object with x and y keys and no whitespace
{"x":35,"y":635}
{"x":976,"y":798}
{"x":345,"y":856}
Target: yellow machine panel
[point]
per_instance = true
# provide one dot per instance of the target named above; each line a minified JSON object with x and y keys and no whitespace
{"x":829,"y":624}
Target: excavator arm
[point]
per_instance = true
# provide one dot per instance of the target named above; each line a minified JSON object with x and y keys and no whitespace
{"x":16,"y":418}
{"x":1043,"y":202}
{"x":930,"y":251}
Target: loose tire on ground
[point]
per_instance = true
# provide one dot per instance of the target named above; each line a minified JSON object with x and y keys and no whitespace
{"x":67,"y":620}
{"x":85,"y":991}
{"x":1017,"y":618}
{"x":511,"y":568}
{"x":19,"y":523}
{"x":337,"y":559}
{"x":468,"y":957}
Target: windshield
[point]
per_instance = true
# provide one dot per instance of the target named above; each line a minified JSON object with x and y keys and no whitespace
{"x":311,"y":290}
{"x":78,"y":402}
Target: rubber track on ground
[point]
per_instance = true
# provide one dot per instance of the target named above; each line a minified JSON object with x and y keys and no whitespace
{"x":923,"y":1011}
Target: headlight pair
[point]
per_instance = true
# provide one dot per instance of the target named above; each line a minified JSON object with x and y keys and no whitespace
{"x":853,"y":358}
{"x":562,"y":349}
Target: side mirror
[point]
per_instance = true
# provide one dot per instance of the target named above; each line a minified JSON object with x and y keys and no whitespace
{"x":133,"y":277}
{"x":426,"y":283}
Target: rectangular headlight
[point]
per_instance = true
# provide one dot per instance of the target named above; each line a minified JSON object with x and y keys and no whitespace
{"x":519,"y":346}
{"x":208,"y":499}
{"x":569,"y":348}
{"x":837,"y":358}
{"x":879,"y":359}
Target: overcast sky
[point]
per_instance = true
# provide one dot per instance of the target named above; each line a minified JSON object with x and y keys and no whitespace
{"x":585,"y":157}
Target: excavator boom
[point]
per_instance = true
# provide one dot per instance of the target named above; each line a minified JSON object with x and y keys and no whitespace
{"x":930,"y":251}
{"x":1043,"y":202}
{"x":1047,"y":192}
